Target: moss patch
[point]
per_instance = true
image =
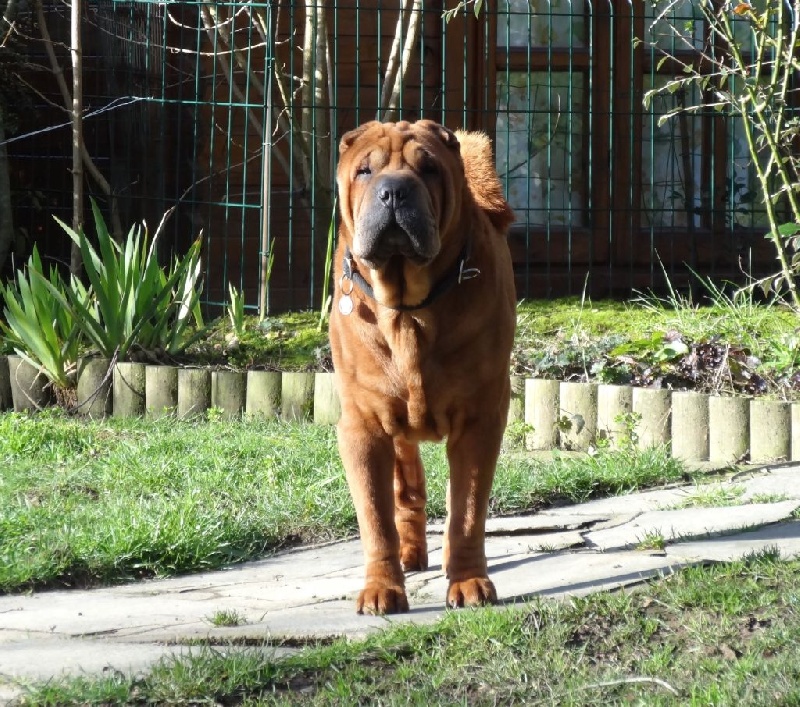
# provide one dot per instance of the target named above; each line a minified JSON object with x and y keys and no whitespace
{"x":286,"y":342}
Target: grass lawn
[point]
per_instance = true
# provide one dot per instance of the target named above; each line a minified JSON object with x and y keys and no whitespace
{"x":83,"y":503}
{"x":726,"y":634}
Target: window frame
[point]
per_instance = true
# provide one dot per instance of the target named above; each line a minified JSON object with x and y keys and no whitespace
{"x":611,"y":241}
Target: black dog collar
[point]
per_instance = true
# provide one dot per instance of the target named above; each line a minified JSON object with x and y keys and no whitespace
{"x":455,"y":277}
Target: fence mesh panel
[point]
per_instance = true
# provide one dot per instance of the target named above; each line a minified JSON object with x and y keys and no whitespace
{"x":227,"y":115}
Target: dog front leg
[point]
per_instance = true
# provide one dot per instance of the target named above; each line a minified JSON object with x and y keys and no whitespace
{"x":368,"y":458}
{"x":473,"y":457}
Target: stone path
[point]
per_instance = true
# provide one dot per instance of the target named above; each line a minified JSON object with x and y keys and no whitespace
{"x":307,"y":594}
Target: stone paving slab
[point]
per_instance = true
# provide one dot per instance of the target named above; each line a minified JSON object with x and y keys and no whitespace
{"x":781,"y":482}
{"x":690,"y":522}
{"x":30,"y":659}
{"x":545,"y":522}
{"x":308,"y":594}
{"x":627,"y":505}
{"x":785,"y":537}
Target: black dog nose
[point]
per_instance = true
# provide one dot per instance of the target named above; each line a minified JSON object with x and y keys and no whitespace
{"x":392,"y":191}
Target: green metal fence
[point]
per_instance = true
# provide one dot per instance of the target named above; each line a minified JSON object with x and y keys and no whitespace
{"x":229,"y":114}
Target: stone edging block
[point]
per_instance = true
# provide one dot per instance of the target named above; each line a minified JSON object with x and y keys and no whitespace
{"x":690,"y":425}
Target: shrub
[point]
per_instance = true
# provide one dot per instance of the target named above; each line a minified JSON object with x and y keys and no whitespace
{"x":37,"y":326}
{"x":135,"y":303}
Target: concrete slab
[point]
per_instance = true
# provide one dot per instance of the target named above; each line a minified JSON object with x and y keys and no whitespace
{"x":9,"y":692}
{"x":36,"y":659}
{"x":785,"y":537}
{"x":690,"y":523}
{"x":574,"y":574}
{"x":627,"y":505}
{"x":780,"y":482}
{"x":544,"y":522}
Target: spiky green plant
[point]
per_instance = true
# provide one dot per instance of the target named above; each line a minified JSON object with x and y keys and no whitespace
{"x":37,"y":326}
{"x":135,"y":302}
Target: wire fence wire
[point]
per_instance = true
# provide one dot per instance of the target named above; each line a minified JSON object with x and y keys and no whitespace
{"x":231,"y":112}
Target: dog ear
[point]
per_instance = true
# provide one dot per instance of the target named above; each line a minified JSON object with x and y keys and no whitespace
{"x":447,"y":136}
{"x":349,"y":138}
{"x":482,"y":180}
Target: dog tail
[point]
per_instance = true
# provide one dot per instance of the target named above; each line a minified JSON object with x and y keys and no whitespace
{"x":482,"y":179}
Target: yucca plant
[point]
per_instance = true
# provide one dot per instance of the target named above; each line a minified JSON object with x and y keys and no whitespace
{"x":37,"y":326}
{"x":134,"y":301}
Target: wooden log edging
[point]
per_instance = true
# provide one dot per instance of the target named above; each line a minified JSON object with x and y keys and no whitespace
{"x":194,"y":392}
{"x":128,"y":390}
{"x":228,"y":393}
{"x":614,"y":408}
{"x":160,"y":391}
{"x":94,"y":387}
{"x":689,"y":434}
{"x":30,"y":389}
{"x":577,"y":416}
{"x":556,"y":415}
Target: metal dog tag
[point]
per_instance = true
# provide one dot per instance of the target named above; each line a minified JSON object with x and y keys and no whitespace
{"x":345,"y":304}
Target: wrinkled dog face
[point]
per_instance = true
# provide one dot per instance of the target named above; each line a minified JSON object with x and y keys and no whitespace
{"x":399,"y":186}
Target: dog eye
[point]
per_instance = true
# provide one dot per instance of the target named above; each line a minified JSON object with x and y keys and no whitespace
{"x":363,"y":171}
{"x":429,"y":169}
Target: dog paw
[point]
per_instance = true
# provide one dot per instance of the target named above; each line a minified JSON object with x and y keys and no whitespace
{"x":413,"y":559}
{"x":378,"y":599}
{"x":476,"y":591}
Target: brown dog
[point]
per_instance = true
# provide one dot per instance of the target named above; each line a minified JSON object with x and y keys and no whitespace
{"x":421,"y":334}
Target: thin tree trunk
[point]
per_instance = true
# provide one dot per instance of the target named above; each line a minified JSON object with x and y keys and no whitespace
{"x":405,"y":36}
{"x":75,"y":265}
{"x":6,"y":217}
{"x":318,"y":176}
{"x":88,"y":163}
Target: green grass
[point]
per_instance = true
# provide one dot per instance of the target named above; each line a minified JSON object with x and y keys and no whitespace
{"x":108,"y":501}
{"x":83,"y":503}
{"x":725,"y":634}
{"x":715,"y":496}
{"x":768,"y":498}
{"x":227,"y":617}
{"x":653,"y":540}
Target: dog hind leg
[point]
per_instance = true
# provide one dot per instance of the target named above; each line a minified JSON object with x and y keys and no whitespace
{"x":409,"y":506}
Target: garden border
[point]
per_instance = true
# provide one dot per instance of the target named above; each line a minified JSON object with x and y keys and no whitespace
{"x":551,"y":414}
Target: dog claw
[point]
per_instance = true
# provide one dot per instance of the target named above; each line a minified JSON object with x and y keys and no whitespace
{"x":477,"y":591}
{"x":413,"y":559}
{"x":382,"y":600}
